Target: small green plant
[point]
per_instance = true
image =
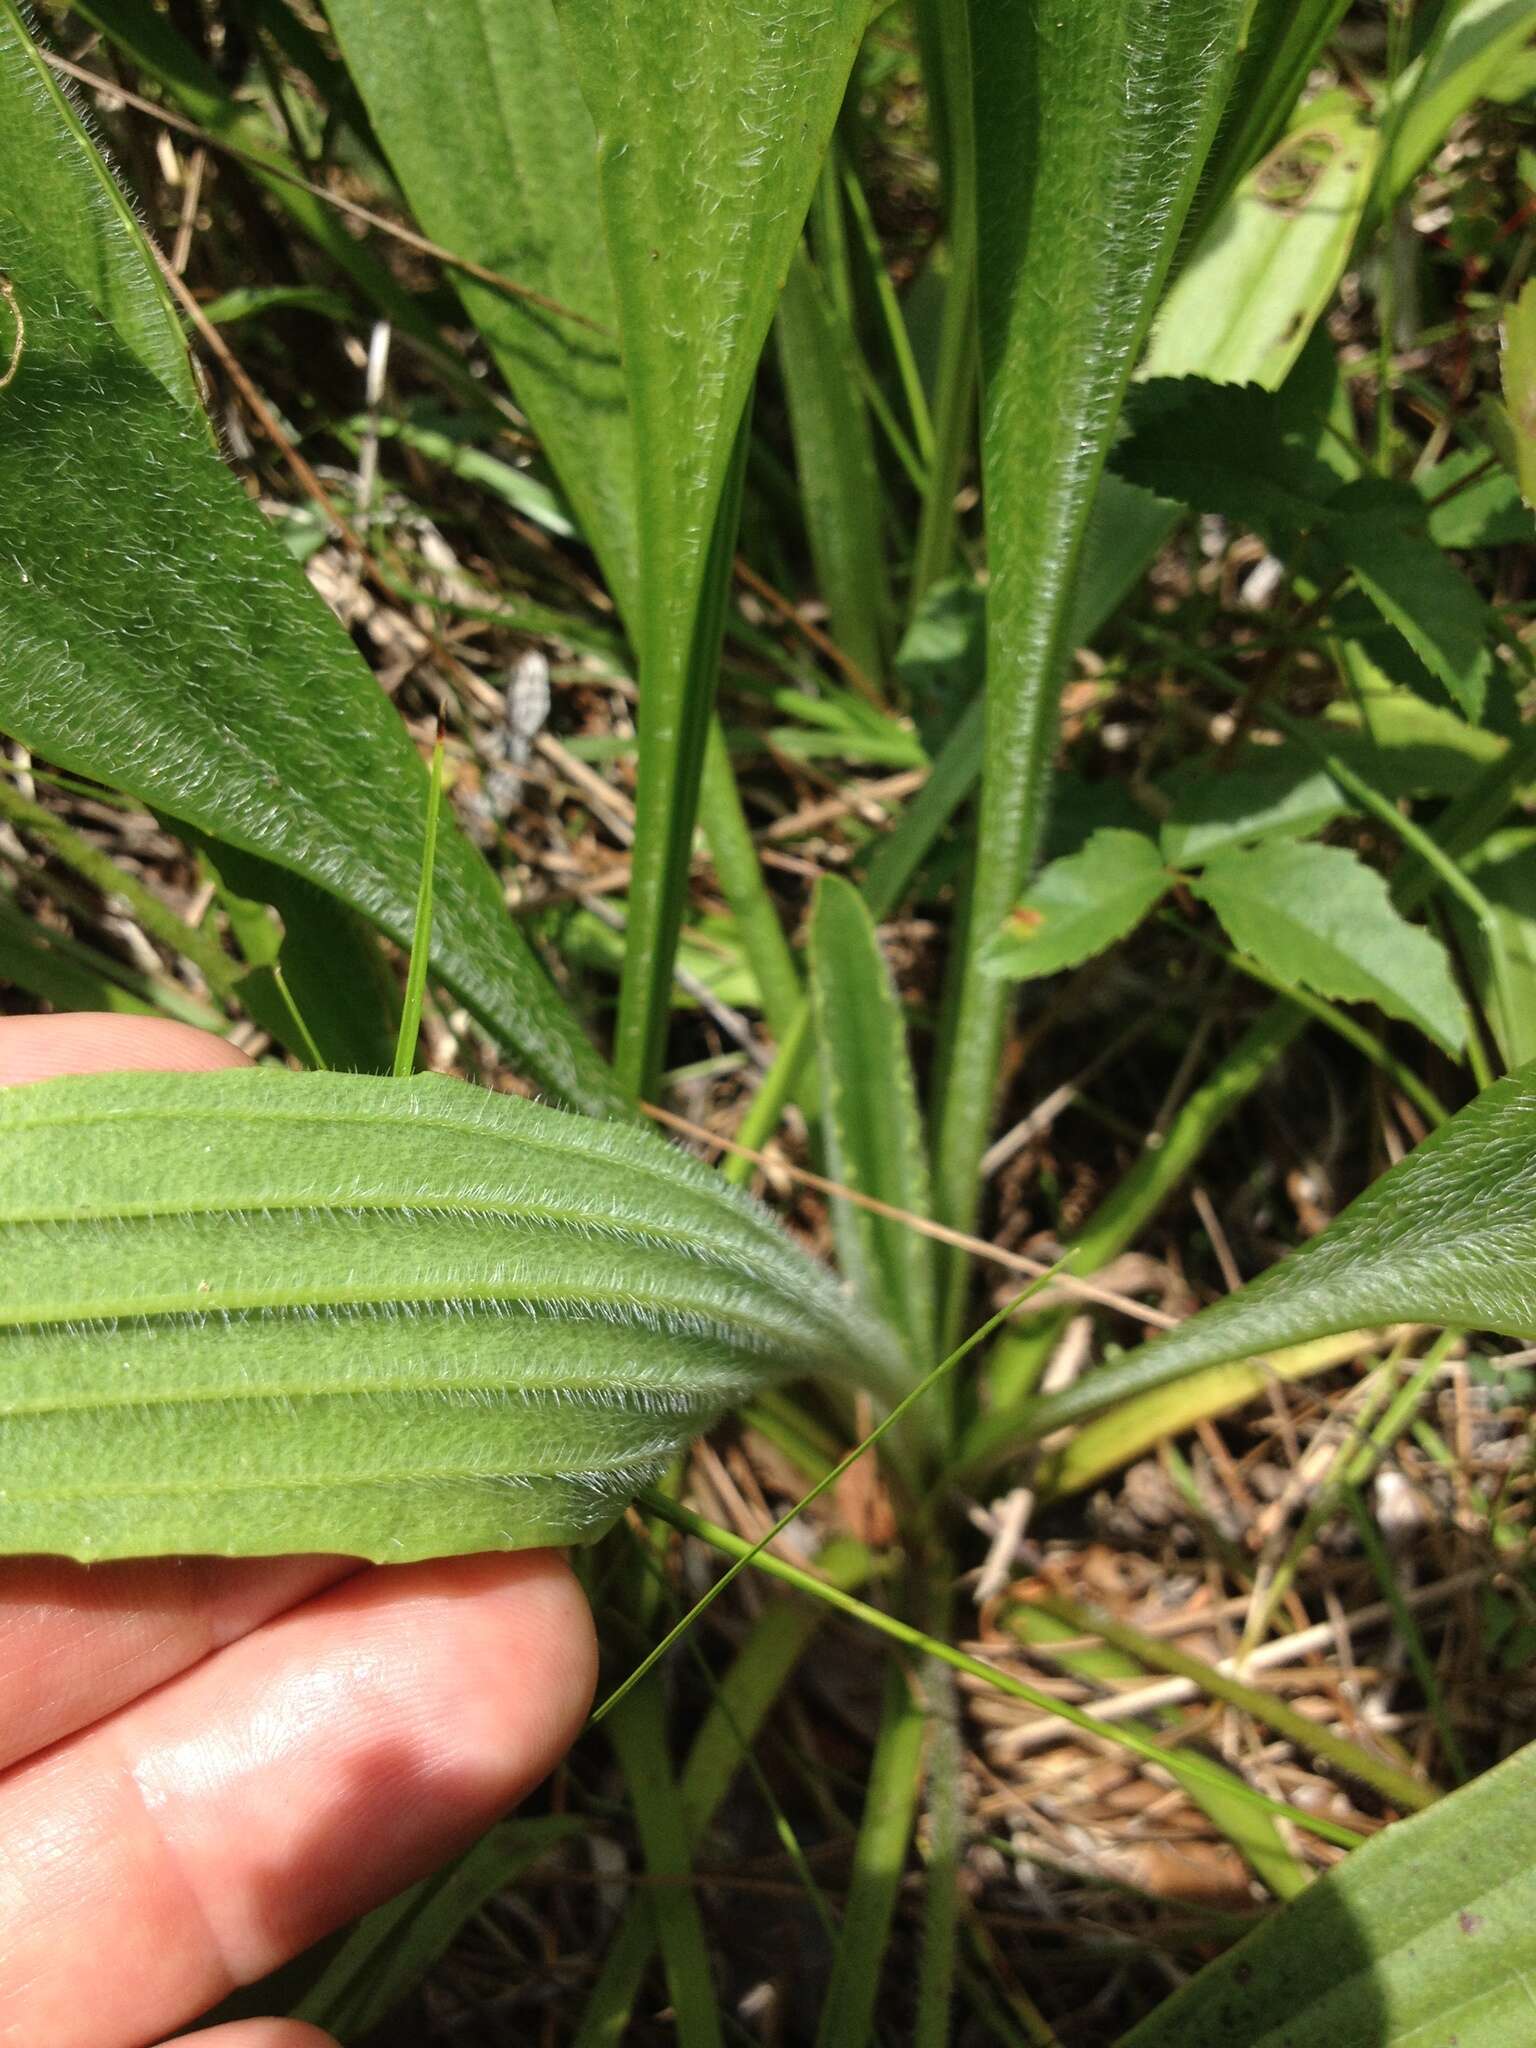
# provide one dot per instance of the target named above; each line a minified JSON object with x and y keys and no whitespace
{"x":367,"y":1310}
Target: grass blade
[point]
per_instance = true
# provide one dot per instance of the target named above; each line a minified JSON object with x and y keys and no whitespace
{"x":421,"y":936}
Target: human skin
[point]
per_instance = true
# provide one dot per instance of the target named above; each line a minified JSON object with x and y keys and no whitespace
{"x":208,"y":1763}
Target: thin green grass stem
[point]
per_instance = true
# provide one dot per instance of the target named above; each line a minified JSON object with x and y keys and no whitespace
{"x":1178,"y":1765}
{"x":1309,"y":1736}
{"x":421,"y":936}
{"x":1409,"y":1634}
{"x":881,"y":1430}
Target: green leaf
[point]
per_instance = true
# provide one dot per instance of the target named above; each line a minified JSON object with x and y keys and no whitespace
{"x":711,"y":127}
{"x":1274,"y":793}
{"x":1378,"y":530}
{"x":478,"y":110}
{"x":1282,"y":42}
{"x":1504,"y":870}
{"x":1517,"y":368}
{"x":1268,"y":266}
{"x":1425,"y":1935}
{"x":159,"y":638}
{"x":74,"y":205}
{"x":1448,"y":1236}
{"x":1489,"y":510}
{"x":879,"y":1861}
{"x":1479,"y":57}
{"x":1317,"y":917}
{"x":840,"y":487}
{"x":253,"y":1311}
{"x":1078,"y":906}
{"x":1226,"y":448}
{"x":1093,"y":123}
{"x":873,"y":1125}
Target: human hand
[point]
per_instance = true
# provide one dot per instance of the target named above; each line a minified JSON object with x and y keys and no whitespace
{"x":208,"y":1763}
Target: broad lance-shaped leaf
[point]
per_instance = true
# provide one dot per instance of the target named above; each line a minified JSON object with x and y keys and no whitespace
{"x":477,"y":107}
{"x":1093,"y":122}
{"x":1448,"y":1236}
{"x":1079,"y":905}
{"x":1317,"y":917}
{"x":712,"y":122}
{"x":157,"y":635}
{"x":254,"y":1311}
{"x":873,"y":1124}
{"x":1424,"y":1936}
{"x":48,"y":162}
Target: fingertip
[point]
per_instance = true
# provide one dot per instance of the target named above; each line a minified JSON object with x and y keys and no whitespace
{"x":100,"y":1042}
{"x":257,"y":2034}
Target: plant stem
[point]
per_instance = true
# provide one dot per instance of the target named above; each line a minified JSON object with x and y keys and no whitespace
{"x":1177,"y":1764}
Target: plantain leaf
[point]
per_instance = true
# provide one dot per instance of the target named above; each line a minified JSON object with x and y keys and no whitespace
{"x":1320,"y":919}
{"x":835,"y":463}
{"x":252,"y":1311}
{"x":158,"y":637}
{"x":478,"y":109}
{"x":1425,"y":1935}
{"x":1080,"y":905}
{"x":1093,"y":122}
{"x":1448,"y":1236}
{"x":73,"y":201}
{"x":712,"y":123}
{"x":874,"y":1127}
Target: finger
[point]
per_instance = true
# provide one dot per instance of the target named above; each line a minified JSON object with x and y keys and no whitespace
{"x":91,"y":1042}
{"x":257,"y":2034}
{"x":77,"y":1641}
{"x":201,"y":1836}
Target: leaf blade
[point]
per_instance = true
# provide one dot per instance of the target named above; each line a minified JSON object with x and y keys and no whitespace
{"x":249,"y":1310}
{"x":208,"y":681}
{"x":1079,"y":906}
{"x":1316,"y":916}
{"x":873,"y":1124}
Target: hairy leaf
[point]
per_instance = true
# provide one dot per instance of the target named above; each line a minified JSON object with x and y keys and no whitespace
{"x":1320,"y":919}
{"x":1427,"y":1934}
{"x":711,"y":128}
{"x":72,"y":200}
{"x":1078,"y":906}
{"x":1448,"y":1236}
{"x":873,"y":1124}
{"x":158,"y":636}
{"x":252,"y":1311}
{"x":1093,"y":122}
